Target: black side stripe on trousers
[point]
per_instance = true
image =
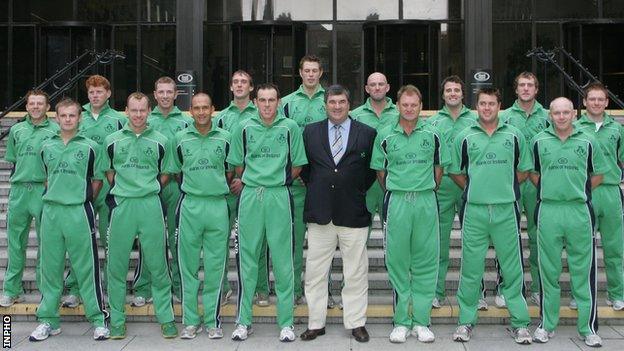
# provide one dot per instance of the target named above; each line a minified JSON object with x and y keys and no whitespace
{"x":593,"y":276}
{"x":384,"y":227}
{"x":238,"y":256}
{"x":90,"y":215}
{"x":177,"y":245}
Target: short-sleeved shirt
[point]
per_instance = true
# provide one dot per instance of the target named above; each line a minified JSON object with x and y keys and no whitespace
{"x":529,"y":124}
{"x":610,"y":135}
{"x":366,"y":114}
{"x":490,"y":163}
{"x":23,"y":149}
{"x":566,"y":167}
{"x":137,"y":161}
{"x":201,"y":161}
{"x":168,"y":126}
{"x":232,"y":115}
{"x":108,"y":122}
{"x":71,"y":168}
{"x":409,"y":160}
{"x":448,"y":128}
{"x":303,"y":109}
{"x":267,"y":152}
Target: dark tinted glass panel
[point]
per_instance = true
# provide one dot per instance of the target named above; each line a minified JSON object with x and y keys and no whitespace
{"x":510,"y":45}
{"x":43,"y":11}
{"x":349,"y":61}
{"x":158,"y":10}
{"x":4,"y":64}
{"x":216,"y":64}
{"x":432,"y":9}
{"x":4,"y":10}
{"x":613,"y":8}
{"x":284,"y":74}
{"x":548,"y":37}
{"x":511,"y":9}
{"x":566,"y":9}
{"x":214,"y":10}
{"x":107,"y":11}
{"x":24,"y":69}
{"x":125,"y":71}
{"x":612,"y":63}
{"x":158,"y":59}
{"x":320,"y":44}
{"x":451,"y":53}
{"x":255,"y":52}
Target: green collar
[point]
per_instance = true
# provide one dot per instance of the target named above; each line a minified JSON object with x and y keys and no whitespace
{"x":389,"y":105}
{"x":419,"y":125}
{"x":104,"y":110}
{"x":551,"y":130}
{"x":586,"y":120}
{"x":462,"y":113}
{"x":175,"y":112}
{"x":128,"y":129}
{"x":233,"y":106}
{"x":319,"y":91}
{"x":192,"y":129}
{"x":44,"y":123}
{"x":256,"y":117}
{"x":536,"y":107}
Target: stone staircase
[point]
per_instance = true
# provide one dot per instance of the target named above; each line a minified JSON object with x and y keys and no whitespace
{"x":380,"y":293}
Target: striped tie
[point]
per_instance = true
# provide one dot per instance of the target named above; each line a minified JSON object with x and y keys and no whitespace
{"x":337,"y":144}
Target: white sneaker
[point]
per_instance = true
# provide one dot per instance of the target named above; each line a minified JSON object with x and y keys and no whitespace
{"x":215,"y":333}
{"x":190,"y":331}
{"x":436,"y":303}
{"x":535,"y":297}
{"x":101,"y":333}
{"x":462,"y":333}
{"x":573,"y":305}
{"x":522,"y":336}
{"x":542,"y":336}
{"x":617,"y":305}
{"x":593,"y":340}
{"x":399,"y":334}
{"x":71,"y":301}
{"x":287,"y":334}
{"x":482,"y":306}
{"x":42,"y":332}
{"x":241,"y":332}
{"x":423,"y":334}
{"x":499,"y":300}
{"x":140,"y":301}
{"x":8,"y":301}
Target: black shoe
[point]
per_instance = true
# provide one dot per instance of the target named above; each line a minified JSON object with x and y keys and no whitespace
{"x":311,"y":334}
{"x":360,"y":334}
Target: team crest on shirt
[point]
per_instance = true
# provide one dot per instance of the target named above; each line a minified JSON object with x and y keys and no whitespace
{"x":218,"y":151}
{"x":281,"y":139}
{"x":425,"y":144}
{"x":251,"y":139}
{"x":109,"y":128}
{"x":580,"y":151}
{"x":474,"y":146}
{"x":178,"y":128}
{"x":148,"y":152}
{"x":51,"y":157}
{"x":97,"y":139}
{"x":613,"y":138}
{"x":187,"y":152}
{"x":79,"y":155}
{"x":508,"y":144}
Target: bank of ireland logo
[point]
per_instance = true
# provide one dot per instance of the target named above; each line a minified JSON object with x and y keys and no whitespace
{"x":410,"y":156}
{"x":109,"y":128}
{"x":29,"y":148}
{"x":490,"y":155}
{"x":562,"y":161}
{"x":134,"y":159}
{"x":281,"y":139}
{"x":203,"y":161}
{"x":265,"y":149}
{"x":580,"y":151}
{"x":79,"y":155}
{"x":63,"y":164}
{"x":508,"y":144}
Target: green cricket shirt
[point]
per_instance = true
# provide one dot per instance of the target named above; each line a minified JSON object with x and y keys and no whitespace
{"x":108,"y":122}
{"x":23,"y":149}
{"x":366,"y":114}
{"x":409,"y":160}
{"x":610,"y":135}
{"x":170,"y":125}
{"x":267,"y":152}
{"x":137,"y":161}
{"x":201,"y":159}
{"x":531,"y":124}
{"x":70,"y":169}
{"x":566,"y":167}
{"x":490,"y":163}
{"x":448,"y":128}
{"x":230,"y":116}
{"x":302,"y":109}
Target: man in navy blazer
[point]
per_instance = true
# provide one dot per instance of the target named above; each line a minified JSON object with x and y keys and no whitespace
{"x":337,"y":178}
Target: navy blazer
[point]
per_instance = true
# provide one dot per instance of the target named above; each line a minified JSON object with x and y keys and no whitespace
{"x":337,"y":193}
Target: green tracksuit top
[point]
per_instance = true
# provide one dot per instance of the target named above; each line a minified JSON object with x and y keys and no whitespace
{"x":229,"y":117}
{"x":611,"y":138}
{"x":490,"y":163}
{"x":108,"y":122}
{"x":23,"y":149}
{"x":303,"y":109}
{"x":566,"y":167}
{"x":366,"y":114}
{"x":136,"y":160}
{"x":409,"y":160}
{"x":201,"y":159}
{"x":530,"y":124}
{"x":168,"y":126}
{"x":448,"y":128}
{"x":70,"y":169}
{"x":267,"y":152}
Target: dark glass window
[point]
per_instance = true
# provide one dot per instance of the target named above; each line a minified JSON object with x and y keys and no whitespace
{"x":350,"y":61}
{"x":4,"y":11}
{"x":451,"y":52}
{"x":613,"y":8}
{"x":107,"y":11}
{"x":432,"y":9}
{"x":24,"y":52}
{"x":510,"y":44}
{"x":4,"y":66}
{"x":214,"y":10}
{"x":216,"y":64}
{"x":125,"y":72}
{"x":158,"y":10}
{"x":511,"y":10}
{"x":158,"y":49}
{"x":43,"y":11}
{"x":320,"y":44}
{"x":566,"y":9}
{"x":548,"y":37}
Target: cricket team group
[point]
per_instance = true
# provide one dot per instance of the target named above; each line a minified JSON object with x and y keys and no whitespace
{"x":271,"y":169}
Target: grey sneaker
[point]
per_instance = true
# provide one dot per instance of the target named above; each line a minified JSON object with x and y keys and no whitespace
{"x":573,"y":305}
{"x":522,"y":336}
{"x":287,"y":334}
{"x":190,"y":331}
{"x":8,"y":301}
{"x":617,"y":305}
{"x":215,"y":333}
{"x":71,"y":301}
{"x":241,"y":332}
{"x":300,"y":300}
{"x":262,"y":300}
{"x":331,"y":303}
{"x":42,"y":332}
{"x":542,"y":335}
{"x":462,"y":333}
{"x":499,"y":300}
{"x":593,"y":340}
{"x":101,"y":333}
{"x":140,"y":301}
{"x":482,"y":306}
{"x":436,"y":303}
{"x":225,"y":297}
